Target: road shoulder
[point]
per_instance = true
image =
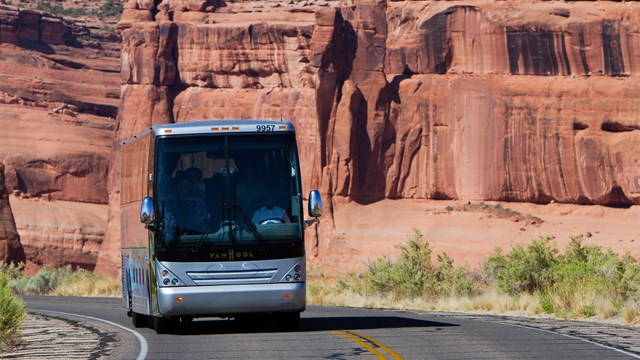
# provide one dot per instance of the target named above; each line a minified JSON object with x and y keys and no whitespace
{"x":47,"y":335}
{"x":625,"y":338}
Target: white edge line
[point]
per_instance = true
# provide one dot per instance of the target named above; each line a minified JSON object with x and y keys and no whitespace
{"x":636,"y":356}
{"x":144,"y":347}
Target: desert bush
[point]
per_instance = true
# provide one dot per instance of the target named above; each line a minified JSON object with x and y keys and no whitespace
{"x":630,"y":281}
{"x":12,"y":270}
{"x":58,"y":9}
{"x":45,"y":281}
{"x":456,"y":280}
{"x":525,"y":269}
{"x":414,"y":274}
{"x":110,"y":9}
{"x":66,"y":281}
{"x":12,"y":311}
{"x":583,"y":281}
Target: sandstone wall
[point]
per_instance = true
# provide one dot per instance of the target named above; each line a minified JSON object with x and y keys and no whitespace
{"x":59,"y":93}
{"x":531,"y":102}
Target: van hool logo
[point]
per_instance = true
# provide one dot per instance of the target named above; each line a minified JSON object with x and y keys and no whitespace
{"x":232,"y":255}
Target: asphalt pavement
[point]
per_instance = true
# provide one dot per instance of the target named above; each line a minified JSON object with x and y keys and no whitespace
{"x":99,"y":328}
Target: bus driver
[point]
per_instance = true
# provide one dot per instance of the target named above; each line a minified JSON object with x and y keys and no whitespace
{"x":270,"y":212}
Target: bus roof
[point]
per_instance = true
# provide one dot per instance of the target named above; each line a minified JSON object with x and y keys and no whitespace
{"x":222,"y":126}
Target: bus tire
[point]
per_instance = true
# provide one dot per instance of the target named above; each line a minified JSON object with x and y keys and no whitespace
{"x":289,"y":321}
{"x":162,"y":325}
{"x":138,"y":320}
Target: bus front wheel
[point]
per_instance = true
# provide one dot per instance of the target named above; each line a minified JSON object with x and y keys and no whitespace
{"x":138,"y":320}
{"x":163,"y":325}
{"x":289,"y":321}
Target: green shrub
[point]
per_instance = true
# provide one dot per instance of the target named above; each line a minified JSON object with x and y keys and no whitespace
{"x":567,"y":285}
{"x":12,"y":311}
{"x":66,"y":281}
{"x":12,"y":270}
{"x":110,"y":9}
{"x":585,"y":281}
{"x":414,"y":274}
{"x":630,"y":281}
{"x":455,"y":281}
{"x":57,"y":9}
{"x":527,"y":269}
{"x":545,"y":302}
{"x":44,"y":282}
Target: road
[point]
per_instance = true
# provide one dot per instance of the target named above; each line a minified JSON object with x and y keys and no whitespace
{"x":325,"y":333}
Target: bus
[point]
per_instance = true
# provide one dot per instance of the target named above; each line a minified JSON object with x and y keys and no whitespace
{"x":212,"y":223}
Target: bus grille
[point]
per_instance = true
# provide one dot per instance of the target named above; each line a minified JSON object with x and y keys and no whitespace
{"x":232,"y":277}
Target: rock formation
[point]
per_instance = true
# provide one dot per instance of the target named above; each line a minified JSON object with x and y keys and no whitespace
{"x":464,"y":102}
{"x":528,"y":102}
{"x":10,"y":247}
{"x":59,"y":95}
{"x":414,"y":100}
{"x":524,"y":102}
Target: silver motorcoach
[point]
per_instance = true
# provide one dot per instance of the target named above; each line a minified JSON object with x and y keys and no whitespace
{"x":212,"y":222}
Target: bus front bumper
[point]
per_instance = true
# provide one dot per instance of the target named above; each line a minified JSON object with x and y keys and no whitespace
{"x":228,"y":300}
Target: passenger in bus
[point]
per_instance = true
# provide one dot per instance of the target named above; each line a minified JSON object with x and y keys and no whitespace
{"x":270,"y":211}
{"x":189,"y":208}
{"x":250,"y":193}
{"x":194,"y":176}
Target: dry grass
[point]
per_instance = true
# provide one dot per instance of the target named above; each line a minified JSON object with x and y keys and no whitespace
{"x":95,"y":285}
{"x":631,"y":313}
{"x":574,"y":300}
{"x":324,"y":291}
{"x":605,"y":308}
{"x":66,"y":281}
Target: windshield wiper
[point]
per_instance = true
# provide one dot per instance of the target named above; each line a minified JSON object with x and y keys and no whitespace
{"x":210,"y":224}
{"x":249,"y":224}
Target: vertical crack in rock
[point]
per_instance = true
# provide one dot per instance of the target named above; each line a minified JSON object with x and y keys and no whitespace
{"x":613,"y":60}
{"x":583,"y":53}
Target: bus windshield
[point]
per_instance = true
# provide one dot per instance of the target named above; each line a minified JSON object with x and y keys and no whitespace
{"x":216,"y":193}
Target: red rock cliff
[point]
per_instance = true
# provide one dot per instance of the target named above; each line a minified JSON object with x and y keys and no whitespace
{"x":531,"y":102}
{"x":58,"y":99}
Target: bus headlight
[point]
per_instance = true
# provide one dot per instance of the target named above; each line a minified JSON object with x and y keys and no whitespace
{"x":295,"y":274}
{"x":166,"y":277}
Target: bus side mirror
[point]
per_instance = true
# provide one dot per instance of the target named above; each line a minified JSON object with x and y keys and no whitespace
{"x":315,"y":208}
{"x":147,"y":216}
{"x":315,"y":204}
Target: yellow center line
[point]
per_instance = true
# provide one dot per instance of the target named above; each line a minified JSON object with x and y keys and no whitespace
{"x":394,"y":355}
{"x":366,"y":342}
{"x":369,"y":348}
